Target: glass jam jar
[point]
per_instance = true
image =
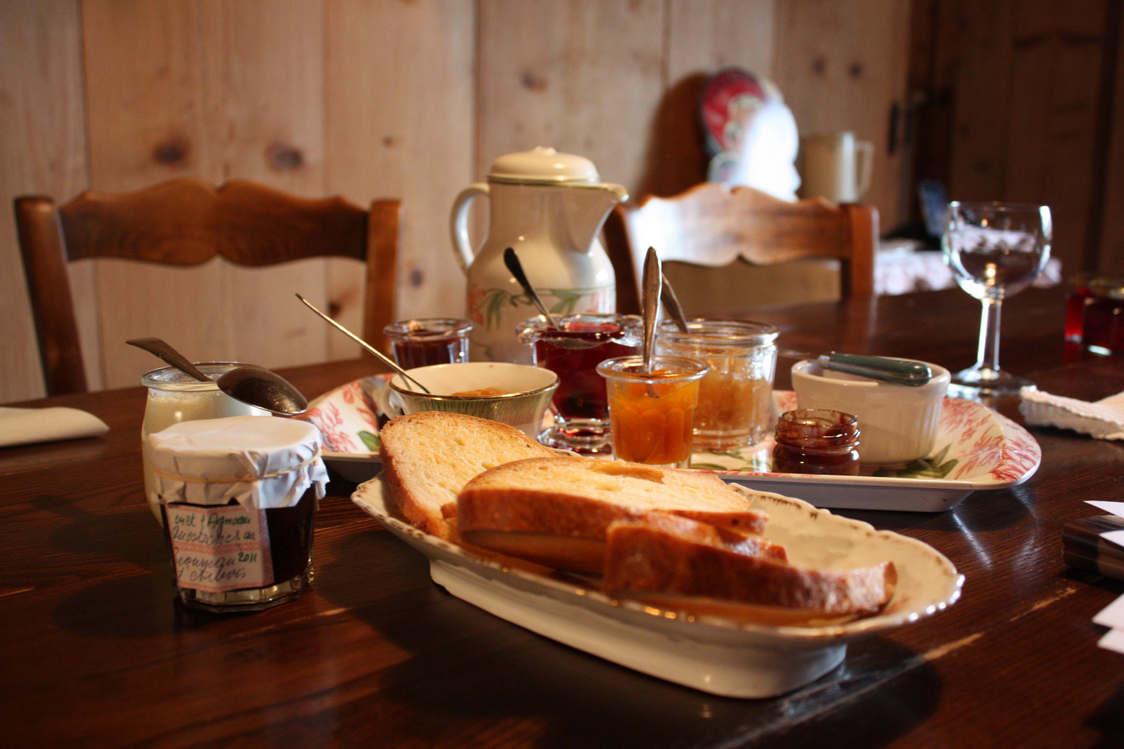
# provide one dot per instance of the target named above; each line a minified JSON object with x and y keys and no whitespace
{"x":431,"y":340}
{"x":572,"y":351}
{"x":651,"y":412}
{"x":175,"y":396}
{"x":819,"y":441}
{"x":237,"y":496}
{"x":736,"y":395}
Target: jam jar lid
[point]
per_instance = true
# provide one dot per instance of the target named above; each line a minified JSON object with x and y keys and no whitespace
{"x":720,"y":333}
{"x":262,"y":462}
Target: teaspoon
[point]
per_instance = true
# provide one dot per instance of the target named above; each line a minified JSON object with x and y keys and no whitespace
{"x":246,"y":383}
{"x":366,"y":346}
{"x":511,"y":260}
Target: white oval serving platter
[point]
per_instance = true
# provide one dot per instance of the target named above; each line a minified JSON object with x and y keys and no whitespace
{"x":710,"y":653}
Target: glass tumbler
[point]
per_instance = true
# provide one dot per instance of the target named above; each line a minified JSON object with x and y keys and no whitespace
{"x":431,"y":340}
{"x":652,"y":411}
{"x":735,"y":397}
{"x":174,"y":396}
{"x":572,"y":351}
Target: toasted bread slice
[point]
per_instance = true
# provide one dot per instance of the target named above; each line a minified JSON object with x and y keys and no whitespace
{"x":556,"y":510}
{"x":428,"y":457}
{"x":671,"y":560}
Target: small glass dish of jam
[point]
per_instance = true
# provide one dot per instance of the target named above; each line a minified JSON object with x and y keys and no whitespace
{"x":652,"y":412}
{"x":431,"y":340}
{"x":238,"y":498}
{"x":817,"y":441}
{"x":572,"y":351}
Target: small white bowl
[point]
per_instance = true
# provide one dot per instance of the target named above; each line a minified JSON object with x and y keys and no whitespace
{"x":898,"y":423}
{"x":526,"y":392}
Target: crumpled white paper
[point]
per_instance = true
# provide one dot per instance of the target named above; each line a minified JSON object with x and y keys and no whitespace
{"x":1103,"y":419}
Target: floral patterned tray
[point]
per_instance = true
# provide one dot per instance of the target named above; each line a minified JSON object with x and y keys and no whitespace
{"x":976,"y":449}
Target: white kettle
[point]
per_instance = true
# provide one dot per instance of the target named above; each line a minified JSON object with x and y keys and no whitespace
{"x":550,"y":208}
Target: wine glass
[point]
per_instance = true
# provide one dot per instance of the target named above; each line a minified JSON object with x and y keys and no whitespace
{"x":995,"y":250}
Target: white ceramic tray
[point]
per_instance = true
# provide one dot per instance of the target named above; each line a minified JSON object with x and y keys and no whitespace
{"x":976,"y":449}
{"x":709,"y":653}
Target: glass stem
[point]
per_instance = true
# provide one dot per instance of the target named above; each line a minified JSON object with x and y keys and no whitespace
{"x":987,"y":355}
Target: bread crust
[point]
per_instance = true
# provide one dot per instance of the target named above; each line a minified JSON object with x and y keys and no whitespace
{"x":513,"y":498}
{"x":429,"y":456}
{"x":675,"y":556}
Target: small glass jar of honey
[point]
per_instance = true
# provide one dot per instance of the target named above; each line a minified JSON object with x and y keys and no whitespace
{"x":818,"y":441}
{"x":736,"y":396}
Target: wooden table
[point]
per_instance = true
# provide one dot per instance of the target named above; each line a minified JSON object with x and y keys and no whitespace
{"x":94,"y":651}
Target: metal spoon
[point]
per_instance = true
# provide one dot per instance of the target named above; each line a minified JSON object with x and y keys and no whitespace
{"x":246,"y":383}
{"x":366,"y":346}
{"x":652,"y":285}
{"x":511,"y":260}
{"x":671,"y":302}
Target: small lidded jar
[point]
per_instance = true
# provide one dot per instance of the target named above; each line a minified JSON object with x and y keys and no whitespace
{"x":819,"y":441}
{"x":237,"y":496}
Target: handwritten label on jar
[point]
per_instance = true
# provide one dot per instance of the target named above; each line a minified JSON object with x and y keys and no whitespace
{"x":217,"y":549}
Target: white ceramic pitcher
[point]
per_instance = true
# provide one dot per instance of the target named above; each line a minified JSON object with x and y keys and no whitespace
{"x":549,"y":207}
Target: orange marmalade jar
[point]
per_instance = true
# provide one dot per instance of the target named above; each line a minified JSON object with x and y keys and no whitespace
{"x":651,"y":412}
{"x":736,"y":396}
{"x":811,"y":440}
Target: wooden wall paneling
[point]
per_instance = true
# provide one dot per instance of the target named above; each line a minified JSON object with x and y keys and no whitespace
{"x":982,"y":93}
{"x":215,"y":90}
{"x":1055,"y":85}
{"x":1111,"y":253}
{"x":264,"y":87}
{"x":399,"y":115}
{"x":703,"y":36}
{"x":42,"y":150}
{"x":584,"y":76}
{"x":841,"y":66}
{"x":146,"y":122}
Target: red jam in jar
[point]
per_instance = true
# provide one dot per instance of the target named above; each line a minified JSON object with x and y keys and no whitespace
{"x":434,"y":340}
{"x":817,"y":441}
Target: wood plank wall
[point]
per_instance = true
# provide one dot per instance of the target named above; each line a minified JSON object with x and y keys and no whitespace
{"x":378,"y":98}
{"x":1025,"y":102}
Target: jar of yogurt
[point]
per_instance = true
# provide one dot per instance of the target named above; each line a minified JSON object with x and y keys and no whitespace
{"x":175,"y":396}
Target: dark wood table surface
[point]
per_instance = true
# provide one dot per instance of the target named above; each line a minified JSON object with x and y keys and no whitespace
{"x":95,"y":652}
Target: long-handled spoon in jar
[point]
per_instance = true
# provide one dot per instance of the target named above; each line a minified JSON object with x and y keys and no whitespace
{"x":671,"y":302}
{"x":366,"y":346}
{"x":511,"y":260}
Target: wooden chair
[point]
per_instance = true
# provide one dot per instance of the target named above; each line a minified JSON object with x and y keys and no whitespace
{"x":187,"y":222}
{"x":711,"y":225}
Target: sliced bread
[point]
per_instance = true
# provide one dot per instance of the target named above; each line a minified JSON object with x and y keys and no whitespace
{"x":429,"y":456}
{"x":676,"y":561}
{"x":556,"y":510}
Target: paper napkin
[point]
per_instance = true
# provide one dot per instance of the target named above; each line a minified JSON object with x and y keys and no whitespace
{"x":1112,"y":616}
{"x":24,"y":426}
{"x":1103,"y":419}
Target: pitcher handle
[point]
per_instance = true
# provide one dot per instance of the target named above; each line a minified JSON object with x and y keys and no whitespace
{"x":865,"y":150}
{"x":458,"y":223}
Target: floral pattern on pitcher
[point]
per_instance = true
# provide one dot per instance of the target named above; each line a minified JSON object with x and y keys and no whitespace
{"x":486,"y":307}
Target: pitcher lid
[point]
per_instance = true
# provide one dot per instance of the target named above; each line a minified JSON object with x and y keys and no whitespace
{"x":543,"y":166}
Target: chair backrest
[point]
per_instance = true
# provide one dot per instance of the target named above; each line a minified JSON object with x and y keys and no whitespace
{"x":712,"y":225}
{"x":187,"y":222}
